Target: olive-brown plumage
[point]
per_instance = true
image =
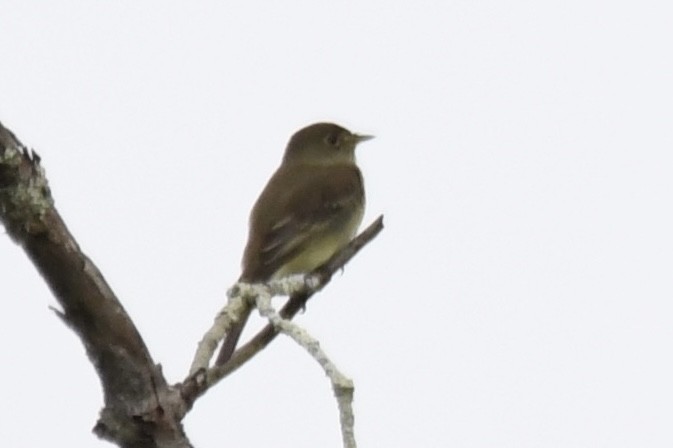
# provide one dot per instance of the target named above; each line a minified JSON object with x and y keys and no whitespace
{"x":310,"y":208}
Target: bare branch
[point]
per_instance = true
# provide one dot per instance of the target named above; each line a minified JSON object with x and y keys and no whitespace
{"x":140,"y":408}
{"x":200,"y":381}
{"x":223,"y":322}
{"x":342,"y":386}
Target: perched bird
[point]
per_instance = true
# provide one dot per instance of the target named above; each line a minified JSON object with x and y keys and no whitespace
{"x":310,"y":208}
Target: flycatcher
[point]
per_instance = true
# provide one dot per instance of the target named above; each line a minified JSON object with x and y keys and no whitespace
{"x":310,"y":209}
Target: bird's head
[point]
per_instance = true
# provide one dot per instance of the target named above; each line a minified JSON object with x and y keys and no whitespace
{"x":324,"y":144}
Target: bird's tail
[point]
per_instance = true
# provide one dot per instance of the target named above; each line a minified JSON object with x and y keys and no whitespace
{"x":231,"y":339}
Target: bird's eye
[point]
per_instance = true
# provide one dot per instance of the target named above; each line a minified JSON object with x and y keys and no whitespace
{"x":332,"y":139}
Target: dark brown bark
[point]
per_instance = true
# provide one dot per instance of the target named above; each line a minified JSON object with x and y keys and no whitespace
{"x":141,"y":410}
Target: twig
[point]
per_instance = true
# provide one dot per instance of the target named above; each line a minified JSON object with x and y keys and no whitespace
{"x":223,"y":322}
{"x":199,"y":382}
{"x":342,"y":386}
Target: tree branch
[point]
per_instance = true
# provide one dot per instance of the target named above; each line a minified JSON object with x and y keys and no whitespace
{"x":198,"y":382}
{"x":140,"y":408}
{"x":342,"y":385}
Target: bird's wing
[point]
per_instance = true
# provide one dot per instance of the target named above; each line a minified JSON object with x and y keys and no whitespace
{"x":299,"y":215}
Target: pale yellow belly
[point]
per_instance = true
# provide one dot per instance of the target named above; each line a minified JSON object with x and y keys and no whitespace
{"x":321,"y":250}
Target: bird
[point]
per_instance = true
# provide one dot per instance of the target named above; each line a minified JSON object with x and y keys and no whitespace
{"x":310,"y":208}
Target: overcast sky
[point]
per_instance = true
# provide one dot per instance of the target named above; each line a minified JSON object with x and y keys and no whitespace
{"x":520,"y":294}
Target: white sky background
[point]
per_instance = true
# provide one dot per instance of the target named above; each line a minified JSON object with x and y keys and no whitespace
{"x":520,"y":295}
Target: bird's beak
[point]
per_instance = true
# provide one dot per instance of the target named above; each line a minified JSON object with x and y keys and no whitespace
{"x":362,"y":138}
